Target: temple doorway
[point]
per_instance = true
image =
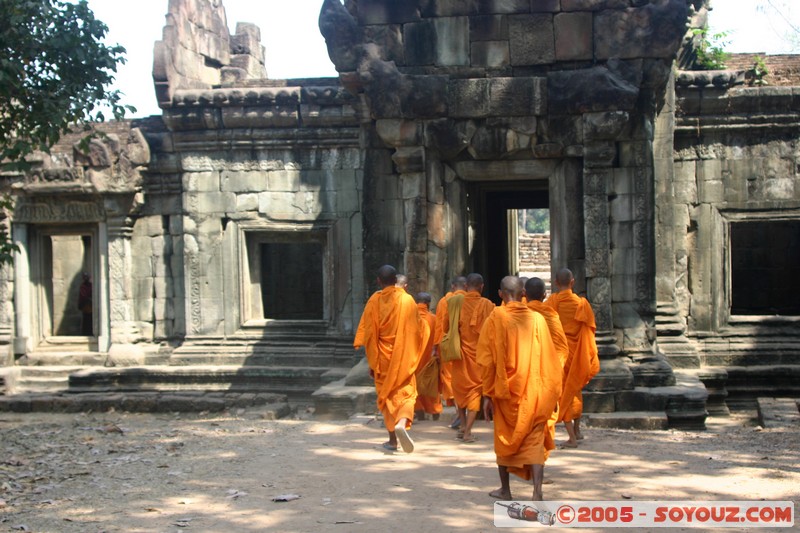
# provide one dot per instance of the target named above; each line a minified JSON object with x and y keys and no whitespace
{"x":502,"y":217}
{"x":63,"y":285}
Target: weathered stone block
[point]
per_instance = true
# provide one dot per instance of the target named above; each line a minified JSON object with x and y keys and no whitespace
{"x":532,"y":39}
{"x":488,"y":143}
{"x":587,"y":90}
{"x":599,"y":153}
{"x":283,"y":180}
{"x":545,"y":6}
{"x":437,"y":225}
{"x":449,"y":137}
{"x":452,"y":41}
{"x":427,"y":97}
{"x":413,"y":185}
{"x":488,"y":28}
{"x":449,"y":8}
{"x":517,"y":96}
{"x":573,"y":35}
{"x":247,"y":44}
{"x":389,"y":38}
{"x":382,"y":12}
{"x":409,"y":159}
{"x":398,"y":132}
{"x":653,"y":31}
{"x":468,"y":98}
{"x":491,"y":7}
{"x":243,"y":181}
{"x":420,"y":43}
{"x":606,"y":125}
{"x":593,"y":5}
{"x":490,"y":54}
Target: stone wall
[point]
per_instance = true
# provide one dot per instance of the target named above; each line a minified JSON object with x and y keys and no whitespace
{"x":534,"y":251}
{"x":474,"y":92}
{"x":735,"y":159}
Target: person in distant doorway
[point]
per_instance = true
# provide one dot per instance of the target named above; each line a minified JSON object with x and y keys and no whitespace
{"x":393,"y":336}
{"x":85,"y":305}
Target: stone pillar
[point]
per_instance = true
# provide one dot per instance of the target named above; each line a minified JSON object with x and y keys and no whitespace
{"x":410,"y":163}
{"x":22,"y":292}
{"x":124,"y":333}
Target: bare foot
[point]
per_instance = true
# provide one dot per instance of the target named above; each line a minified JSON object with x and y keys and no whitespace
{"x":547,"y":481}
{"x":568,"y":444}
{"x":578,"y":435}
{"x":538,"y":496}
{"x":500,"y":494}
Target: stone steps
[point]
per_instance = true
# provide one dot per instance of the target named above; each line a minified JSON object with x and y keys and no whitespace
{"x":779,"y":413}
{"x":642,"y":420}
{"x":296,"y":382}
{"x":273,"y":405}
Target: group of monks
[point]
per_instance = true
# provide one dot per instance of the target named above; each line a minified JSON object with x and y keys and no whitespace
{"x":523,"y":363}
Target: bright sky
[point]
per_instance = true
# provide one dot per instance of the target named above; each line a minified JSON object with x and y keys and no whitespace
{"x":295,"y":48}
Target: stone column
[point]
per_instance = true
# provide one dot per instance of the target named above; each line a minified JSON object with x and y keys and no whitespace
{"x":22,"y":290}
{"x":598,"y":158}
{"x":124,"y":333}
{"x":410,"y":163}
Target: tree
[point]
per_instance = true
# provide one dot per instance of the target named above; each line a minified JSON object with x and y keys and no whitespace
{"x":54,"y":77}
{"x":783,"y":18}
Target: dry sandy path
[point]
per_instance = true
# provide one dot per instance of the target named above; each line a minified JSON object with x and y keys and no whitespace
{"x":210,"y":473}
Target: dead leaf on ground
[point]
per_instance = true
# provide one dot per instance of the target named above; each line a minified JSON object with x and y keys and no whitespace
{"x":153,"y":510}
{"x":626,"y":496}
{"x":233,"y":494}
{"x":285,"y":497}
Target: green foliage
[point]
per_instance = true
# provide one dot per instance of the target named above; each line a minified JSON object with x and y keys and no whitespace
{"x":534,"y":220}
{"x":54,"y":70}
{"x":760,"y":70}
{"x":710,"y":49}
{"x":54,"y":74}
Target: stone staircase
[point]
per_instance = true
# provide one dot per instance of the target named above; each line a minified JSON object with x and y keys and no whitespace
{"x":281,"y":366}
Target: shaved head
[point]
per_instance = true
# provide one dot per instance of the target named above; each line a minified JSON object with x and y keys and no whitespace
{"x":535,"y":289}
{"x":564,"y":278}
{"x":402,"y":281}
{"x":475,"y":282}
{"x":459,"y":283}
{"x":387,"y":275}
{"x":513,"y":287}
{"x":423,"y":298}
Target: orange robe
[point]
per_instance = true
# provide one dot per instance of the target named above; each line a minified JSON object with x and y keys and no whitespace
{"x":467,"y":380}
{"x":429,"y":404}
{"x":393,"y":336}
{"x":521,"y":373}
{"x":445,"y":367}
{"x":561,"y":344}
{"x":577,"y":318}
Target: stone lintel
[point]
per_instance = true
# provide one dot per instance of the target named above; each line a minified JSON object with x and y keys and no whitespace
{"x":506,"y":170}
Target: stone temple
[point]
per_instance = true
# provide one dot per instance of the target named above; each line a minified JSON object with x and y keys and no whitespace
{"x":232,"y":241}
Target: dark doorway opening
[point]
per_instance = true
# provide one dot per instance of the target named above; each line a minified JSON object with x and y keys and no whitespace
{"x":495,"y":206}
{"x":765,"y":267}
{"x":291,"y":281}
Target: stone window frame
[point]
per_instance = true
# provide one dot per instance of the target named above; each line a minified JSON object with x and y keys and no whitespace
{"x":732,"y":217}
{"x":285,"y":232}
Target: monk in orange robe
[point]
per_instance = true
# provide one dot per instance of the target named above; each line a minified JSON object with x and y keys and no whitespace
{"x":577,"y":318}
{"x":459,"y":283}
{"x":467,"y":381}
{"x":535,"y":291}
{"x":393,"y":336}
{"x":521,"y":382}
{"x":427,"y":404}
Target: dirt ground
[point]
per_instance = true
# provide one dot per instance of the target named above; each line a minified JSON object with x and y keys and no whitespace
{"x":202,"y":472}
